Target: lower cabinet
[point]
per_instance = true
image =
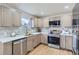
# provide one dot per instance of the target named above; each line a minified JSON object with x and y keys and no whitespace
{"x":32,"y":42}
{"x":66,"y":42}
{"x":62,"y":42}
{"x":44,"y":39}
{"x":69,"y":42}
{"x":29,"y":43}
{"x":7,"y":48}
{"x":19,"y":47}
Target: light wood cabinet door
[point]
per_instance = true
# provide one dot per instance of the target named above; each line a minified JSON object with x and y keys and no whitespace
{"x":29,"y":44}
{"x":6,"y":17}
{"x":9,"y":17}
{"x":45,"y":22}
{"x":35,"y":22}
{"x":40,"y":22}
{"x":0,"y":15}
{"x":24,"y":46}
{"x":17,"y":47}
{"x":66,"y":20}
{"x":62,"y":42}
{"x":34,"y":38}
{"x":39,"y":39}
{"x":16,"y":19}
{"x":69,"y":42}
{"x":7,"y":48}
{"x":44,"y":39}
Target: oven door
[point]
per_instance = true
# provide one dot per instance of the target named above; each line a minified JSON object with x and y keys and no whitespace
{"x":53,"y":40}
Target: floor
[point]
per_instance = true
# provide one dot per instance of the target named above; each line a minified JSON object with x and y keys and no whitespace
{"x":45,"y":50}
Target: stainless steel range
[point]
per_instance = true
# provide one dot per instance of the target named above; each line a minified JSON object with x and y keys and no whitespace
{"x":54,"y":39}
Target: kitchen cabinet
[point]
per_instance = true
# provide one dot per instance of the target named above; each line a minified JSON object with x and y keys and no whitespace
{"x":35,"y":22}
{"x":66,"y":20}
{"x":16,"y":18}
{"x":66,"y":42}
{"x":6,"y":17}
{"x":69,"y":42}
{"x":17,"y":47}
{"x":36,"y":39}
{"x":33,"y":41}
{"x":62,"y":42}
{"x":40,"y":22}
{"x":24,"y":46}
{"x":45,"y":22}
{"x":39,"y":39}
{"x":9,"y":17}
{"x":44,"y":39}
{"x":20,"y":47}
{"x":29,"y":43}
{"x":0,"y":15}
{"x":6,"y":48}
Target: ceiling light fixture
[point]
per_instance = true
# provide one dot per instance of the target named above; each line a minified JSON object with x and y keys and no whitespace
{"x":66,"y":7}
{"x":42,"y":13}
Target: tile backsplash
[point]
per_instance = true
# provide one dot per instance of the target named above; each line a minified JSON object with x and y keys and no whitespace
{"x":6,"y":31}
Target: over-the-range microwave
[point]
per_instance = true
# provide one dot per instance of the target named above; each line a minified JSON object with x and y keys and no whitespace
{"x":54,"y":23}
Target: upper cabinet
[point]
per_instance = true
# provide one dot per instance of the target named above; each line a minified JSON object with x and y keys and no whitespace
{"x":66,"y":20}
{"x":0,"y":15}
{"x":44,"y":22}
{"x":37,"y":22}
{"x":9,"y":17}
{"x":6,"y":17}
{"x":16,"y":18}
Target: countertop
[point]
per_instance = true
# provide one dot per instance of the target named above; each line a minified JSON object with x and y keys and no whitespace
{"x":63,"y":34}
{"x":9,"y":39}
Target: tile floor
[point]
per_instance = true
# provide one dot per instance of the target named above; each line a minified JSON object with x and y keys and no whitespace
{"x":45,"y":50}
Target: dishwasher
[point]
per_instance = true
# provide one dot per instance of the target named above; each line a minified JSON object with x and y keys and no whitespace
{"x":19,"y":47}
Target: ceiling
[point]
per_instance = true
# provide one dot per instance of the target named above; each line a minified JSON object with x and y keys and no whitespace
{"x":43,"y":9}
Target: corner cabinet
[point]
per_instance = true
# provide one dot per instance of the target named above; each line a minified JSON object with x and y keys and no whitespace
{"x":9,"y":17}
{"x":44,"y":39}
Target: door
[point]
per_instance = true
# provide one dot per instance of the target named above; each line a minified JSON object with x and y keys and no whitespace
{"x":7,"y":48}
{"x":16,"y":18}
{"x":39,"y":39}
{"x":62,"y":42}
{"x":34,"y":38}
{"x":17,"y":47}
{"x":0,"y":15}
{"x":69,"y":42}
{"x":44,"y":39}
{"x":6,"y":16}
{"x":29,"y":44}
{"x":24,"y":46}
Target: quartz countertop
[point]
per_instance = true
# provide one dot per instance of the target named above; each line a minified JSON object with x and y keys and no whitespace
{"x":9,"y":39}
{"x":65,"y":34}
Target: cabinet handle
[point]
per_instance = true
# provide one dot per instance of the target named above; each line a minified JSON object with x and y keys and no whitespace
{"x":17,"y":42}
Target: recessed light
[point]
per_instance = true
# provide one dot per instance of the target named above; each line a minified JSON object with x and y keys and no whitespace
{"x":66,"y":7}
{"x":42,"y":13}
{"x":12,"y":9}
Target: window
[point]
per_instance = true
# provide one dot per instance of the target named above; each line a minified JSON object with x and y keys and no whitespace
{"x":26,"y":22}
